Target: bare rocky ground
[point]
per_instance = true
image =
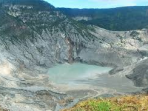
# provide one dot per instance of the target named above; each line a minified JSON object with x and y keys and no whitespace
{"x":33,"y":40}
{"x":26,"y":91}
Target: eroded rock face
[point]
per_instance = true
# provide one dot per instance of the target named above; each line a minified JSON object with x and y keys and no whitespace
{"x":28,"y":91}
{"x":140,"y":74}
{"x":33,"y":39}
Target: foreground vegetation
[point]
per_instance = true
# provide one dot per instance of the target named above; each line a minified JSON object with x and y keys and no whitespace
{"x":126,"y":103}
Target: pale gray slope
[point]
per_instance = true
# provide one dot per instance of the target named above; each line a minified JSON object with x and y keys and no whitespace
{"x":33,"y":39}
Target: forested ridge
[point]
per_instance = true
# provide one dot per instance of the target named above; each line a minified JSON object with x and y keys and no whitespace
{"x":119,"y":19}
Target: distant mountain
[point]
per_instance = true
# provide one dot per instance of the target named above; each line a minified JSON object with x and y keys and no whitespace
{"x":34,"y":36}
{"x":117,"y":19}
{"x":36,"y":3}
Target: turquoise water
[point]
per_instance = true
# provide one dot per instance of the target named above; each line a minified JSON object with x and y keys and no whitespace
{"x":68,"y":73}
{"x":81,"y":75}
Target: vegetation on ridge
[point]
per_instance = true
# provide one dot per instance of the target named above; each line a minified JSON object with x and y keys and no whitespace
{"x":126,"y":103}
{"x":118,"y":19}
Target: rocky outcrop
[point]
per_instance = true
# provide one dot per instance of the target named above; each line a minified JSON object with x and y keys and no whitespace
{"x":43,"y":37}
{"x":34,"y":38}
{"x":140,"y":74}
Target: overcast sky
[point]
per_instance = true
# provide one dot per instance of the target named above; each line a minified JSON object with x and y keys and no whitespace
{"x":97,"y":3}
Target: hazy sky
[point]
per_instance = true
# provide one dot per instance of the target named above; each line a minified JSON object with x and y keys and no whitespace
{"x":97,"y":3}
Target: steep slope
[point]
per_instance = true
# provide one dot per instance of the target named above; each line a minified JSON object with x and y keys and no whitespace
{"x":121,"y":19}
{"x":34,"y":36}
{"x":140,"y":74}
{"x":31,"y":36}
